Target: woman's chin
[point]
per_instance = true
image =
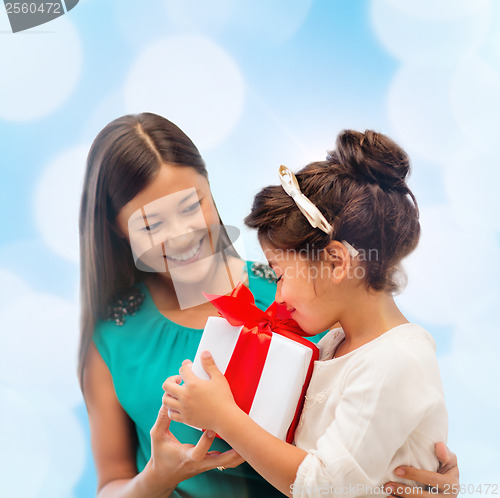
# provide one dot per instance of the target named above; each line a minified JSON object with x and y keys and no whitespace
{"x":192,"y":273}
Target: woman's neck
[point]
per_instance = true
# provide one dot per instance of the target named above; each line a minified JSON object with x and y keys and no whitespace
{"x":220,"y":280}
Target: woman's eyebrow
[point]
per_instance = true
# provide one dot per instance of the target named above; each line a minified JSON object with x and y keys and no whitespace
{"x":189,"y":196}
{"x":144,"y":217}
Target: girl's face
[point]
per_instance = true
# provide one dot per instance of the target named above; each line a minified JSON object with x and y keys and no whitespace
{"x":306,"y":288}
{"x":172,"y":225}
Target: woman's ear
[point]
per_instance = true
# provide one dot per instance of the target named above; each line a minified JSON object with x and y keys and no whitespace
{"x":338,"y":257}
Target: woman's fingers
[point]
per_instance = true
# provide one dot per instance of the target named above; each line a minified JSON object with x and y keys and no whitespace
{"x":203,"y":445}
{"x":162,"y":423}
{"x":448,"y":461}
{"x":426,"y":477}
{"x":228,"y":459}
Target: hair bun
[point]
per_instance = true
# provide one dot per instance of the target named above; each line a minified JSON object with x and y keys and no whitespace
{"x":371,"y":157}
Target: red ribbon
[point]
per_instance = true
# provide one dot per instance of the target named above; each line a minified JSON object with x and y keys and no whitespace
{"x":249,"y":356}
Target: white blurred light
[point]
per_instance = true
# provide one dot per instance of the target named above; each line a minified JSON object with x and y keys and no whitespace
{"x":475,"y":98}
{"x":475,"y":355}
{"x":12,"y":286}
{"x":471,"y":182}
{"x":451,"y":271}
{"x":39,"y":345}
{"x":191,"y":81}
{"x":420,"y":111}
{"x":66,"y":438}
{"x":140,"y":23}
{"x":430,"y":31}
{"x":196,"y":16}
{"x":271,"y":22}
{"x":104,"y":111}
{"x":25,"y":456}
{"x":442,"y":10}
{"x":57,"y":201}
{"x":39,"y":70}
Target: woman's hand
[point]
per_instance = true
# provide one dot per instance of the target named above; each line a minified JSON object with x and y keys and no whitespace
{"x":172,"y":461}
{"x":445,"y":480}
{"x":198,"y":402}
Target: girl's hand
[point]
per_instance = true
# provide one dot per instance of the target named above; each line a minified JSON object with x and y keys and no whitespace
{"x":198,"y":402}
{"x":445,"y":480}
{"x":172,"y":462}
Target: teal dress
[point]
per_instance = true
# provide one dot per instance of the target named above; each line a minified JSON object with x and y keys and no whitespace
{"x":145,"y":348}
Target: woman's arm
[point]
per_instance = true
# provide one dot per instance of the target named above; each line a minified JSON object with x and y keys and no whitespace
{"x":113,"y":442}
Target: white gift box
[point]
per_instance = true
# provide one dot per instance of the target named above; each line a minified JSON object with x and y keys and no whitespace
{"x":282,"y":380}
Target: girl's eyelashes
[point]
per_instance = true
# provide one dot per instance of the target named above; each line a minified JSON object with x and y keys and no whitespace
{"x":279,"y":278}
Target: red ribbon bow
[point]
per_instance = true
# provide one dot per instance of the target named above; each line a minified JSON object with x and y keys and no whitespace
{"x":249,"y":356}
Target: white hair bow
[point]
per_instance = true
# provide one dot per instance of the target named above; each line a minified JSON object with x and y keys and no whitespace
{"x":309,"y":210}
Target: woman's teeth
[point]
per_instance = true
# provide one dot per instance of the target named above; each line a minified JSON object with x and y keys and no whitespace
{"x":184,"y":256}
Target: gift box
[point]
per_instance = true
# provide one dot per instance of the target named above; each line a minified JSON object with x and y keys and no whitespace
{"x":266,"y":362}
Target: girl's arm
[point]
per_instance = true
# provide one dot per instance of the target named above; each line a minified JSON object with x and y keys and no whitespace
{"x":210,"y":404}
{"x":374,"y":417}
{"x":113,"y":442}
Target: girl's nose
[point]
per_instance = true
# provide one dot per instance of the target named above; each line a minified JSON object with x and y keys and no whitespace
{"x":278,"y":298}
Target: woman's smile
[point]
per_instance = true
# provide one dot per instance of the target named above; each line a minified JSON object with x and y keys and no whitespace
{"x":188,"y":255}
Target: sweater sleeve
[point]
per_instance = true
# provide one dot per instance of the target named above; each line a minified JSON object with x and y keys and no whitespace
{"x":385,"y":397}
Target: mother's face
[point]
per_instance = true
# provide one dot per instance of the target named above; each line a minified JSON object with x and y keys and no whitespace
{"x":172,"y":225}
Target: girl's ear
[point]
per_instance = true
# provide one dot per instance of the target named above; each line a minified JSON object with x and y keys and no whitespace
{"x":339,"y":258}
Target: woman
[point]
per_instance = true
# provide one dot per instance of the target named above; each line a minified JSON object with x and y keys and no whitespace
{"x":138,"y":317}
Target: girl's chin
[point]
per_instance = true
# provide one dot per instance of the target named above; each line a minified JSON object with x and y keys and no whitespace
{"x":307,"y":331}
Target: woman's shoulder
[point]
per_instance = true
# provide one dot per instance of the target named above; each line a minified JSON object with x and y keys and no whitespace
{"x":121,"y":310}
{"x":125,"y":304}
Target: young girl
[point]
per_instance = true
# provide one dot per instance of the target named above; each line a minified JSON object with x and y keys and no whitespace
{"x":355,"y":219}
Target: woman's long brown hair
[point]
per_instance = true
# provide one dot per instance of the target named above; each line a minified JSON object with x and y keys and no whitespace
{"x":123,"y":159}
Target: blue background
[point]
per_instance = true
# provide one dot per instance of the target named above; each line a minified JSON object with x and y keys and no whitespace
{"x":255,"y":84}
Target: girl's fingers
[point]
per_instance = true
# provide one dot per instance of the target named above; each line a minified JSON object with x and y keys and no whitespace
{"x":174,"y":379}
{"x":171,"y":402}
{"x":174,"y":415}
{"x":172,"y":388}
{"x":186,"y":372}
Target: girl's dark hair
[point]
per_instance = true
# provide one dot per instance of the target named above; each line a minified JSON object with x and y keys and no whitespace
{"x":361,"y":190}
{"x":124,"y":158}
